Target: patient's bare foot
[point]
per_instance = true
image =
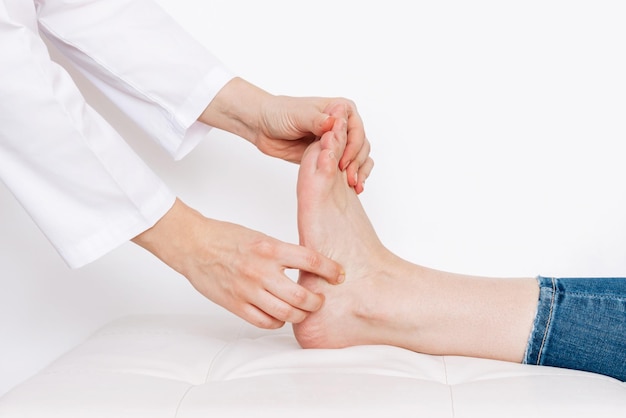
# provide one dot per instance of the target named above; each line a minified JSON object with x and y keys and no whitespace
{"x":388,"y":300}
{"x":332,"y":221}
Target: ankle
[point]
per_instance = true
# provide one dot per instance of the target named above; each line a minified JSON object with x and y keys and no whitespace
{"x":378,"y":295}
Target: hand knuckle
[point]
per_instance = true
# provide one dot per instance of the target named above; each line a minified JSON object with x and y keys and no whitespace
{"x":265,"y":248}
{"x":282,"y":312}
{"x":299,"y":295}
{"x":314,"y":261}
{"x":348,"y":102}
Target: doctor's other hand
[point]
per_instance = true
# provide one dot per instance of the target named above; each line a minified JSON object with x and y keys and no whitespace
{"x":284,"y":126}
{"x":240,"y":269}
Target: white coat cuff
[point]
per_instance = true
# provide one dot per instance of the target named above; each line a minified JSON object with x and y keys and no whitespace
{"x":191,"y":130}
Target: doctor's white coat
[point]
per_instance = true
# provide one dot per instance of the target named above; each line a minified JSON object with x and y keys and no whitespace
{"x":73,"y":173}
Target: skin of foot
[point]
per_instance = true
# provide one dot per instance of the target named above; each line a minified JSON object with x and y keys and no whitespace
{"x":330,"y":214}
{"x":388,"y":300}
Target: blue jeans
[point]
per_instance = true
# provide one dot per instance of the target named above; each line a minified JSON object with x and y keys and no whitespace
{"x":580,"y":324}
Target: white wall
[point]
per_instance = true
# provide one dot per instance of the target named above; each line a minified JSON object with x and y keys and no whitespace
{"x":497,"y":129}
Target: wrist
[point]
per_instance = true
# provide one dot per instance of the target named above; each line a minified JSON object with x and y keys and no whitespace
{"x":237,"y":108}
{"x":170,"y":238}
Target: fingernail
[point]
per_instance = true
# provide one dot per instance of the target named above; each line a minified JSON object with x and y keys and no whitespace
{"x":341,"y":278}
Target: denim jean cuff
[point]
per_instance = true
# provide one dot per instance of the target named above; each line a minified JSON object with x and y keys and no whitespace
{"x":580,"y":324}
{"x":541,"y":325}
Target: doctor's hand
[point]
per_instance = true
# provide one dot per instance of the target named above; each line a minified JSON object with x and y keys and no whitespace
{"x":240,"y":269}
{"x":283,"y":126}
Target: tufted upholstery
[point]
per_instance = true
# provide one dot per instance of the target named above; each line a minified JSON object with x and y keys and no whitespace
{"x":219,"y":366}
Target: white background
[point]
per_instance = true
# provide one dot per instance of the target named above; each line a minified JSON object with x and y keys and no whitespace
{"x":497,"y":129}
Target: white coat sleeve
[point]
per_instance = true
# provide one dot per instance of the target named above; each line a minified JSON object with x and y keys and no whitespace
{"x":76,"y":177}
{"x":142,"y":60}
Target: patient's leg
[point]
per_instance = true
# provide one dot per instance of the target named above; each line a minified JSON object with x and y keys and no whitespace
{"x":388,"y":300}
